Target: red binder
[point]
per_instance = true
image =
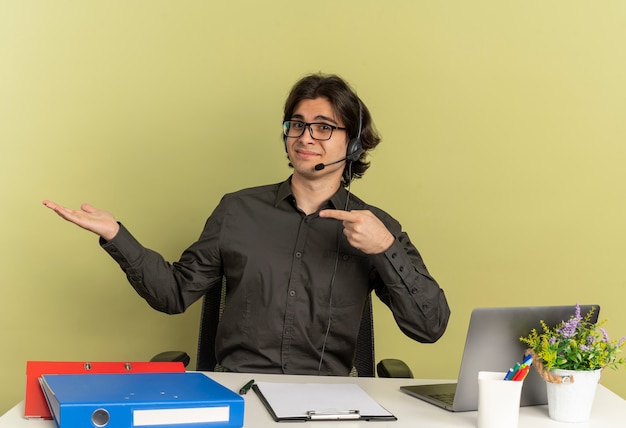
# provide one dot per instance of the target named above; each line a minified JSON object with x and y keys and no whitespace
{"x":35,"y":405}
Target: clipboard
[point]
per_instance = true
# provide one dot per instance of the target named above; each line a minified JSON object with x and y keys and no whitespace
{"x":35,"y":405}
{"x":302,"y":402}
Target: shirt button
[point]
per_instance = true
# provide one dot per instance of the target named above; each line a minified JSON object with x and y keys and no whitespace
{"x":414,"y":291}
{"x":298,"y":254}
{"x":401,"y":268}
{"x":345,"y":257}
{"x":292,"y":293}
{"x":393,"y":255}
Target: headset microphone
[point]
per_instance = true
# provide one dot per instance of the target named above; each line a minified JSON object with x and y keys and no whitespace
{"x":321,"y":166}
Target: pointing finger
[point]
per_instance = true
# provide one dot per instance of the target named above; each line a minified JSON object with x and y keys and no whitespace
{"x":337,"y":214}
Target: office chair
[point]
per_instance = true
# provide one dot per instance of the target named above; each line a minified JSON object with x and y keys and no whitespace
{"x":212,"y":306}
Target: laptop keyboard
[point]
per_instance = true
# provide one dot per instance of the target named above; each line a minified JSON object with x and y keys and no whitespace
{"x":447,"y":398}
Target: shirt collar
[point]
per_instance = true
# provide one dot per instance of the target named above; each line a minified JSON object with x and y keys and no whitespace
{"x":284,"y":192}
{"x":337,"y":201}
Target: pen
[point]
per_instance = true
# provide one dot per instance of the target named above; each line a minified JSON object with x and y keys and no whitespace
{"x":244,"y":389}
{"x":508,"y":375}
{"x":513,"y":372}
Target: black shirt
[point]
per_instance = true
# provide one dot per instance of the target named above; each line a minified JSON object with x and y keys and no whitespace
{"x":288,"y":274}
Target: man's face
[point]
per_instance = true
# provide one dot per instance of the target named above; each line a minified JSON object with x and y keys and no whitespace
{"x":305,"y":151}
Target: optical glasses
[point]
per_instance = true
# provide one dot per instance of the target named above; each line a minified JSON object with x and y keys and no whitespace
{"x":318,"y":131}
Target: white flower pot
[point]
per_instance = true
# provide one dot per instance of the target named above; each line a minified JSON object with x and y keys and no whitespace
{"x":572,"y":401}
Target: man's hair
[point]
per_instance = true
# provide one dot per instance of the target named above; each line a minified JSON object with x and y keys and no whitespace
{"x":347,"y":105}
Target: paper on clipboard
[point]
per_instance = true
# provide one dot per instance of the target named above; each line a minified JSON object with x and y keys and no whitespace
{"x":317,"y":401}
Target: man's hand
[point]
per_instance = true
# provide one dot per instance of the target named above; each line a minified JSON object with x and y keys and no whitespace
{"x":89,"y":218}
{"x":364,"y":230}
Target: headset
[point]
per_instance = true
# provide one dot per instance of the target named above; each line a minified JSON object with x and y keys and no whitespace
{"x":355,"y":147}
{"x":353,"y":152}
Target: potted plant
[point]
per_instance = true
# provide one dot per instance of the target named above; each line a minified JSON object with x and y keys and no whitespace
{"x":570,"y":357}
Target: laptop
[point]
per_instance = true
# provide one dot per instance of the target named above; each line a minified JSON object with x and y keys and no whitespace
{"x":492,"y":344}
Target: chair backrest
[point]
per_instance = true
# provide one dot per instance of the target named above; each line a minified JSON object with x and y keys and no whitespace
{"x":213,"y":304}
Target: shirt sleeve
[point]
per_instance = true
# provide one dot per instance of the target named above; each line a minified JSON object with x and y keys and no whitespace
{"x":403,"y":283}
{"x":167,"y":287}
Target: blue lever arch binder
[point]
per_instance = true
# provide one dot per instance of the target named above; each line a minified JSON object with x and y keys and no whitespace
{"x":163,"y":400}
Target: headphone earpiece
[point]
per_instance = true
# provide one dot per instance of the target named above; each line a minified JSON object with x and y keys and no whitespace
{"x":355,"y":147}
{"x":354,"y":150}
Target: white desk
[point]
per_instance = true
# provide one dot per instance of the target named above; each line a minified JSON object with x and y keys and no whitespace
{"x":609,"y":409}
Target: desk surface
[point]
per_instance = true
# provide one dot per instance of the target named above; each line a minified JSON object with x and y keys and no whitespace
{"x":608,"y":409}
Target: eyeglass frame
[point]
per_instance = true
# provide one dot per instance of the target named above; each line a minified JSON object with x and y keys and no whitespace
{"x":308,"y":125}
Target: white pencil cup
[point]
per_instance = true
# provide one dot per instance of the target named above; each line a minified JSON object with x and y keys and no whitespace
{"x":498,"y":400}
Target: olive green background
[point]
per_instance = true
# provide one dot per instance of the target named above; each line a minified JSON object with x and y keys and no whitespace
{"x":503,"y":153}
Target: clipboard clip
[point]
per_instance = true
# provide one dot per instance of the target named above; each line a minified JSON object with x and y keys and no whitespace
{"x":332,"y":415}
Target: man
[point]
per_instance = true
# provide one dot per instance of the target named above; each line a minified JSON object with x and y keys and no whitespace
{"x":299,"y":257}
